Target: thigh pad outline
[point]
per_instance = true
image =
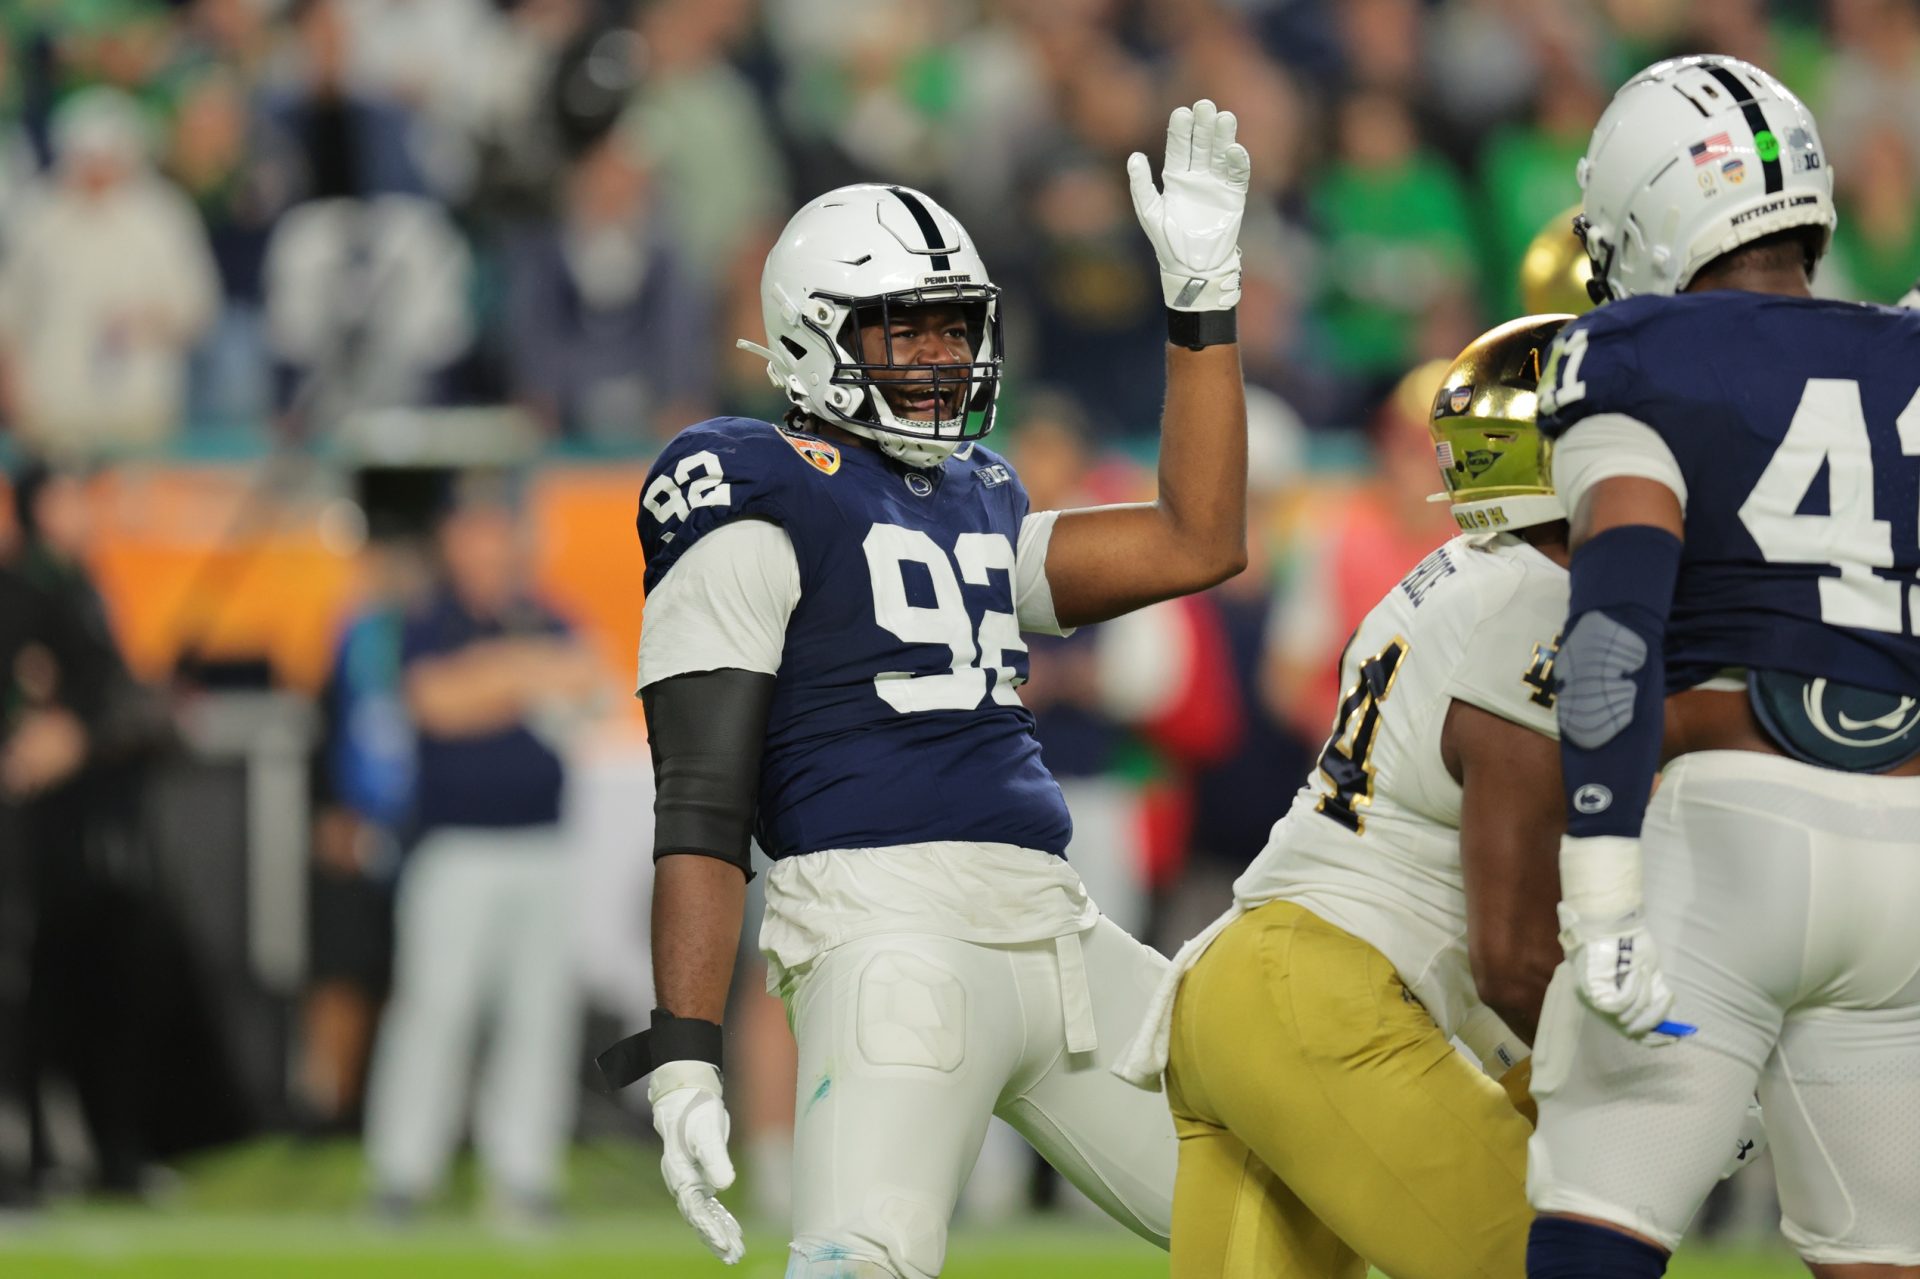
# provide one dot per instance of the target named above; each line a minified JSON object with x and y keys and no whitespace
{"x":912,"y":1012}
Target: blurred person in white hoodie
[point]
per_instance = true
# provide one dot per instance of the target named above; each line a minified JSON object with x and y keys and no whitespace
{"x":106,"y":284}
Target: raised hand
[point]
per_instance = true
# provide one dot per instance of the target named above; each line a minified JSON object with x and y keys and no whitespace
{"x":1194,"y":223}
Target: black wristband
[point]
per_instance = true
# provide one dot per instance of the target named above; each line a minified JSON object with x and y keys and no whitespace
{"x":1198,"y":329}
{"x":670,"y":1038}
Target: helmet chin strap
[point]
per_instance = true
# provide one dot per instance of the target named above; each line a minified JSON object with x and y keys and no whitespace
{"x":924,"y":453}
{"x":908,"y":450}
{"x":1597,"y":287}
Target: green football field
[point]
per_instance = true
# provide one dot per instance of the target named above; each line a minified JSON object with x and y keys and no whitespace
{"x":178,"y":1247}
{"x":277,"y":1210}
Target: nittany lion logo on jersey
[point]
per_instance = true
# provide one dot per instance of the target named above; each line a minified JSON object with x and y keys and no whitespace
{"x":1824,"y":721}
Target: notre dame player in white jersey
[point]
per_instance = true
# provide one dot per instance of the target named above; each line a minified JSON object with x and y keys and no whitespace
{"x":1326,"y":1117}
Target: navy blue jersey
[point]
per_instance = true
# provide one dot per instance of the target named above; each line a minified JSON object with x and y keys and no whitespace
{"x":1796,"y":425}
{"x":504,"y":777}
{"x":894,"y":717}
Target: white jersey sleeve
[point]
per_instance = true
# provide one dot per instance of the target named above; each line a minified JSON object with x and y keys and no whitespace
{"x":1032,"y":594}
{"x":723,"y":606}
{"x":1607,"y":446}
{"x":1506,"y":667}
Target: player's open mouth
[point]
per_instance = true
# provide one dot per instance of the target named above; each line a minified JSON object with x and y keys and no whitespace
{"x":926,"y":406}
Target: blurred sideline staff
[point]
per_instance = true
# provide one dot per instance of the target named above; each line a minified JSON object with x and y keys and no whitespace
{"x":362,"y":788}
{"x":113,"y":1003}
{"x":493,"y":681}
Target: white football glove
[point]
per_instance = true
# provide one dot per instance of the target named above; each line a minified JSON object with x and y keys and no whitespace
{"x":1614,"y":961}
{"x":1195,"y":225}
{"x":1751,"y":1140}
{"x":692,"y":1120}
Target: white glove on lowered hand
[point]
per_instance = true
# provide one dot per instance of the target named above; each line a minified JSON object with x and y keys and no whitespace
{"x":1614,"y":961}
{"x":692,"y":1120}
{"x":1195,"y":224}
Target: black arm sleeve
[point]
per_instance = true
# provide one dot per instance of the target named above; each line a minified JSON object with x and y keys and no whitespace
{"x":706,"y":730}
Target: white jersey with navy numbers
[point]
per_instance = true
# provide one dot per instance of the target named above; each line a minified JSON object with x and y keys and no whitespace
{"x":1372,"y":841}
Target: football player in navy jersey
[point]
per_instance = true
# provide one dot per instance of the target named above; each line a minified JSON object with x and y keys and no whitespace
{"x":830,"y":661}
{"x":1742,"y":465}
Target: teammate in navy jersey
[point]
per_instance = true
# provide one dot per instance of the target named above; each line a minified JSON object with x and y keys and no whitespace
{"x":1742,"y":465}
{"x":830,"y":659}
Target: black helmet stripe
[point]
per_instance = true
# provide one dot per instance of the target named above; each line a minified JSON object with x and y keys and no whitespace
{"x":930,"y":229}
{"x":1756,"y":121}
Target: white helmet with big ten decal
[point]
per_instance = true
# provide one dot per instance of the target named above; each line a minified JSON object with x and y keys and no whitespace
{"x":1693,"y":158}
{"x":850,"y":260}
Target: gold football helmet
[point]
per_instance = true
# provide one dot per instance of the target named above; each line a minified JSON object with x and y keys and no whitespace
{"x":1485,"y":436}
{"x":1555,"y":269}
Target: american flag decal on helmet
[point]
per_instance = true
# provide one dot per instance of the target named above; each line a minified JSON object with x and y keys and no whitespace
{"x":1711,"y":149}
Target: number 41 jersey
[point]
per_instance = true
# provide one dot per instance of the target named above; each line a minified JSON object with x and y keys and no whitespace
{"x":1791,"y":429}
{"x":894,"y":718}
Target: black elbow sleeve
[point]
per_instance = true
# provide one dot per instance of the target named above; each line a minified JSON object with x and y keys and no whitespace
{"x":706,"y":731}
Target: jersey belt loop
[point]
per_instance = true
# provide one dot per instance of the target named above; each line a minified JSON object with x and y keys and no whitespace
{"x":1076,"y":1001}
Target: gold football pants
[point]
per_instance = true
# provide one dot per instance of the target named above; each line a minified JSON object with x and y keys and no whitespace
{"x":1326,"y":1121}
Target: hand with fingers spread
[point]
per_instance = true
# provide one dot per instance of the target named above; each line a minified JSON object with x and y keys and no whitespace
{"x":691,"y":1119}
{"x":1194,"y":223}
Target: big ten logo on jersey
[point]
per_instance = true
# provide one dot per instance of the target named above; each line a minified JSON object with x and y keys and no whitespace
{"x":697,"y":481}
{"x":1346,"y":762}
{"x":1830,"y":436}
{"x":1539,"y":673}
{"x":919,"y":599}
{"x":1425,"y":574}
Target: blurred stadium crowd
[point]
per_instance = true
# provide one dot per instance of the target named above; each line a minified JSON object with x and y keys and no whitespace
{"x":248,"y":230}
{"x":265,"y":214}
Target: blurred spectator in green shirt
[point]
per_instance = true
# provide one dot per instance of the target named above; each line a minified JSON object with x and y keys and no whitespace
{"x":1873,"y":80}
{"x":1527,"y":173}
{"x":1877,"y":245}
{"x":1399,"y":281}
{"x":722,"y":179}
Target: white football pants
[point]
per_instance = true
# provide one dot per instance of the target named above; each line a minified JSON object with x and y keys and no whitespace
{"x":483,"y":945}
{"x":909,"y":1043}
{"x":1785,"y":899}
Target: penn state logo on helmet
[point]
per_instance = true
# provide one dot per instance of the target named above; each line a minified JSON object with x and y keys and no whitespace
{"x":851,"y":266}
{"x":1693,"y":158}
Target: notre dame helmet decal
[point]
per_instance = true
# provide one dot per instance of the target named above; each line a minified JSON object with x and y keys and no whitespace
{"x":1485,"y":436}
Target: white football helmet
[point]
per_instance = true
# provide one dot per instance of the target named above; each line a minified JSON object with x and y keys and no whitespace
{"x":1693,"y":158}
{"x":848,"y":261}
